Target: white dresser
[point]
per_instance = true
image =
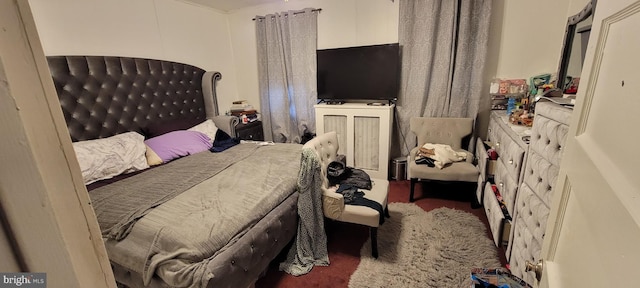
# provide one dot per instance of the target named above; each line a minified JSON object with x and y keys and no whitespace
{"x":549,"y":132}
{"x":504,"y":173}
{"x":524,"y":174}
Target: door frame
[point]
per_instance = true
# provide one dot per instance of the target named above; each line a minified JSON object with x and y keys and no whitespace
{"x":42,"y":191}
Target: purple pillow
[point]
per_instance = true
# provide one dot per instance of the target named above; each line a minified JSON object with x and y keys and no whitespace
{"x":177,"y":144}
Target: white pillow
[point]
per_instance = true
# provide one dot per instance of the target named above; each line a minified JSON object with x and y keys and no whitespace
{"x":107,"y":157}
{"x":207,"y":128}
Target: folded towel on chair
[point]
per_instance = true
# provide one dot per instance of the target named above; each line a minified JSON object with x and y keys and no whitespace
{"x":442,"y":154}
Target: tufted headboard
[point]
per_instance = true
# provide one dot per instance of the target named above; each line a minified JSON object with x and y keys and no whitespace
{"x":102,"y":96}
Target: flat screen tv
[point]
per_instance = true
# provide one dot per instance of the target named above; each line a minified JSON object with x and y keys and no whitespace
{"x":359,"y":73}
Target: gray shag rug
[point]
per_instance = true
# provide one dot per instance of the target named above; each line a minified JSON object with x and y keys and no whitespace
{"x":425,"y":249}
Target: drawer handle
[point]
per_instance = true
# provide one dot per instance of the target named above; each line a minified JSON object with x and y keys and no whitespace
{"x":497,"y":143}
{"x":501,"y":184}
{"x":510,"y":161}
{"x":489,"y":130}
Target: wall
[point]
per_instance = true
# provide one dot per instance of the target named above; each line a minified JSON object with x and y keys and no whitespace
{"x":160,"y":29}
{"x":341,"y":23}
{"x":525,"y":39}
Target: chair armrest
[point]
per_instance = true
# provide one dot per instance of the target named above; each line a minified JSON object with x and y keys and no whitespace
{"x":332,"y":204}
{"x":469,"y":155}
{"x":226,"y":123}
{"x":412,"y":154}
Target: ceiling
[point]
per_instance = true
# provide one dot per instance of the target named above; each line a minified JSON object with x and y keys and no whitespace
{"x":230,"y":5}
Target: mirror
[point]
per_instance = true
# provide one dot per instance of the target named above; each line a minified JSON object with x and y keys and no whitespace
{"x":574,"y":46}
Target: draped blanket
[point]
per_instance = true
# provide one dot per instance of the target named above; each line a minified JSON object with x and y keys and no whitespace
{"x":117,"y":208}
{"x":310,"y":246}
{"x":223,"y":195}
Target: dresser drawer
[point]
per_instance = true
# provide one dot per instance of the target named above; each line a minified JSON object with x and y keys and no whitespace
{"x":485,"y":165}
{"x":480,"y":189}
{"x":507,"y":185}
{"x":529,"y":230}
{"x":540,"y":175}
{"x":495,"y":216}
{"x":494,"y":128}
{"x":510,"y":153}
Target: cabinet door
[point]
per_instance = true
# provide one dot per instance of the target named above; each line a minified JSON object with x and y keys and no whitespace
{"x":337,"y":123}
{"x":367,"y":137}
{"x":364,"y":134}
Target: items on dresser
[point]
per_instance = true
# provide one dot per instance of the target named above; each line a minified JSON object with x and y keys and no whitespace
{"x":245,"y":111}
{"x":240,"y":106}
{"x":521,"y":117}
{"x":506,"y":94}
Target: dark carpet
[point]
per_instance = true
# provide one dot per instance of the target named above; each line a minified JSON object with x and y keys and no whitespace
{"x":345,"y":240}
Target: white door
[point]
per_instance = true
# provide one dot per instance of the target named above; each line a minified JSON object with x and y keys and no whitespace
{"x":593,"y":234}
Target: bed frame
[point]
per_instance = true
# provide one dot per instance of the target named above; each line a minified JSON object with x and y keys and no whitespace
{"x":102,"y":96}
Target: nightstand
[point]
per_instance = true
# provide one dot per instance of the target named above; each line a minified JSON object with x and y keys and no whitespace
{"x":250,"y":131}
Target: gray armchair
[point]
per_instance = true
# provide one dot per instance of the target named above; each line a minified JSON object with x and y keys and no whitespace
{"x":449,"y":131}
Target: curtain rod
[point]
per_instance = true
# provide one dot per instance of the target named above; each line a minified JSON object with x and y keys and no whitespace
{"x":294,"y":13}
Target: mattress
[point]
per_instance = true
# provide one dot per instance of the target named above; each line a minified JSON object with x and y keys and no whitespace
{"x":177,"y":240}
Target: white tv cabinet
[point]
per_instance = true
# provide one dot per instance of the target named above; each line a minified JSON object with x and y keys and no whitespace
{"x":364,"y":134}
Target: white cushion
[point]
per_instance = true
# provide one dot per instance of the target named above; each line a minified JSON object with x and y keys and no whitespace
{"x":365,"y":215}
{"x":107,"y":157}
{"x":207,"y":128}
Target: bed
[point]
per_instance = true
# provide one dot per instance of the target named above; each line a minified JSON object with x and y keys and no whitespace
{"x":203,"y":220}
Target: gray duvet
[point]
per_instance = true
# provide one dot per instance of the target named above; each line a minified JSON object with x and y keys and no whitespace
{"x":176,"y":239}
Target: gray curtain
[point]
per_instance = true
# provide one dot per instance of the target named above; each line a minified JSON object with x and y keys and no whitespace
{"x":444,"y":47}
{"x":286,"y":44}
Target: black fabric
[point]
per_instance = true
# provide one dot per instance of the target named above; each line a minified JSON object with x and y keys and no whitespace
{"x":337,"y":167}
{"x":352,"y":176}
{"x":358,"y":178}
{"x":352,"y":196}
{"x":306,"y":137}
{"x":102,"y":96}
{"x":348,"y":192}
{"x":425,"y":161}
{"x":361,"y":201}
{"x":223,"y":141}
{"x":336,"y":172}
{"x":339,"y":173}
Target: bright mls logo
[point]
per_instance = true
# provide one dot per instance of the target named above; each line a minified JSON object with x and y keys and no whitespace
{"x":23,"y":280}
